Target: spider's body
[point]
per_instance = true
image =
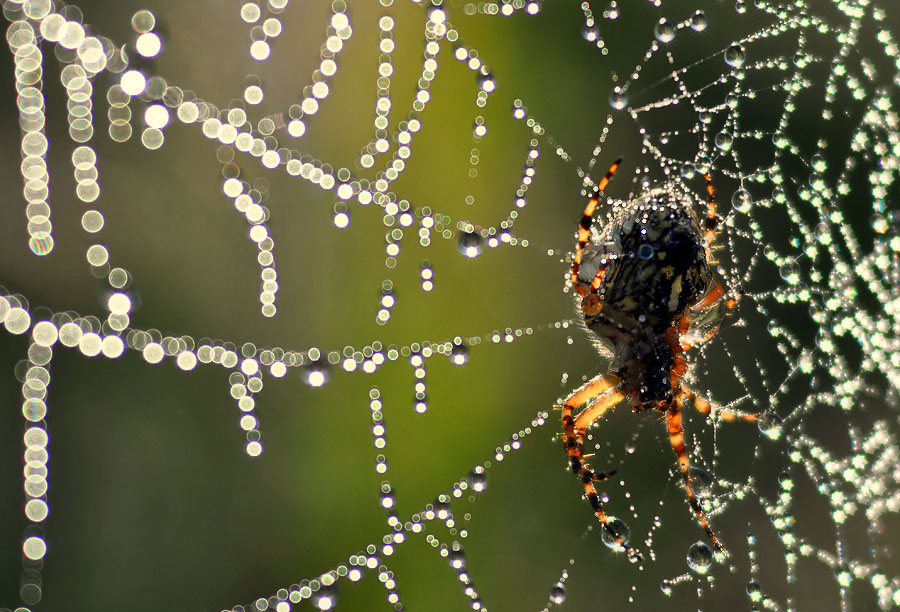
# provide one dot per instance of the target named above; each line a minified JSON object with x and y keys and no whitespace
{"x":646,"y":290}
{"x":658,"y":272}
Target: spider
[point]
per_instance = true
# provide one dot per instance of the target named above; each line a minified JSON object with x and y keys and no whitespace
{"x":645,"y":288}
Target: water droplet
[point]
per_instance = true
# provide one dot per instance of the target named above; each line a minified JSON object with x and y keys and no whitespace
{"x":705,"y":117}
{"x":779,"y":140}
{"x":724,"y":141}
{"x":457,"y":558}
{"x":487,"y":83}
{"x":558,"y":594}
{"x":879,"y":223}
{"x":612,"y":11}
{"x":459,"y":354}
{"x":741,"y":200}
{"x":701,"y":481}
{"x":769,"y":424}
{"x":645,"y":251}
{"x":703,"y":164}
{"x":732,"y":101}
{"x":790,"y":271}
{"x":735,"y":56}
{"x":622,"y":533}
{"x":754,"y":590}
{"x":816,"y":181}
{"x":699,"y":557}
{"x":469,"y":244}
{"x":315,"y":375}
{"x":326,"y":598}
{"x":618,"y":99}
{"x":478,"y":479}
{"x":664,"y":31}
{"x":819,"y":163}
{"x":591,"y":33}
{"x":699,"y":21}
{"x":442,"y":507}
{"x":688,"y":170}
{"x":630,"y":448}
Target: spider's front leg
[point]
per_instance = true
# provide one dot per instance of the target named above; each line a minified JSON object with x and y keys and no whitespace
{"x":584,"y":233}
{"x":600,"y":394}
{"x":676,"y":438}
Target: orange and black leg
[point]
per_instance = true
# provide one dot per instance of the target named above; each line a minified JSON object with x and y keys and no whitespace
{"x":584,"y":228}
{"x":712,"y":218}
{"x":676,"y":438}
{"x":600,"y":394}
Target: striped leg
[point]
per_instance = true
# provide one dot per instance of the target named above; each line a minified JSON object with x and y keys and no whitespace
{"x":676,"y":438}
{"x":584,"y":228}
{"x":600,"y":394}
{"x":712,"y":219}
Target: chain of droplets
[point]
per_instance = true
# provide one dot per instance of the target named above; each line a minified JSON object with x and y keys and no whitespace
{"x":88,"y":56}
{"x":246,"y":379}
{"x":322,"y":590}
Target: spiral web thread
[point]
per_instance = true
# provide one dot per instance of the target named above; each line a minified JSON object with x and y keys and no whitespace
{"x":810,"y":241}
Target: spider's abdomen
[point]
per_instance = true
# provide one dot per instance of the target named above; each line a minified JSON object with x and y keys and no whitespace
{"x":655,"y":270}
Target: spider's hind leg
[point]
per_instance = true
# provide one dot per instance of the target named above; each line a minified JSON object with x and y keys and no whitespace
{"x":600,"y":394}
{"x":676,"y":438}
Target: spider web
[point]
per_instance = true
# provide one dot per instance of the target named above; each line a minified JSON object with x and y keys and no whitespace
{"x":312,"y":357}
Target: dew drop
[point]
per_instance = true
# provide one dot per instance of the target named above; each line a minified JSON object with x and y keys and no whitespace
{"x":591,"y":33}
{"x":754,"y":590}
{"x":699,"y":21}
{"x":770,"y":424}
{"x":664,"y":31}
{"x":459,"y":354}
{"x":724,"y":141}
{"x":622,"y":533}
{"x":478,"y":479}
{"x":701,"y":481}
{"x":779,"y":140}
{"x":315,"y":375}
{"x":741,"y":200}
{"x":457,"y":559}
{"x":558,"y":594}
{"x":790,"y":272}
{"x":688,"y":170}
{"x":612,"y":11}
{"x":818,"y":162}
{"x":879,"y":223}
{"x":699,"y":557}
{"x":645,"y":251}
{"x":735,"y":56}
{"x":618,"y":99}
{"x":469,"y":244}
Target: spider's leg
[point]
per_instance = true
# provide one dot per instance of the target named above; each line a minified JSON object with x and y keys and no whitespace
{"x":705,"y":407}
{"x":584,"y":228}
{"x":676,"y":438}
{"x":601,"y":394}
{"x":712,"y":219}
